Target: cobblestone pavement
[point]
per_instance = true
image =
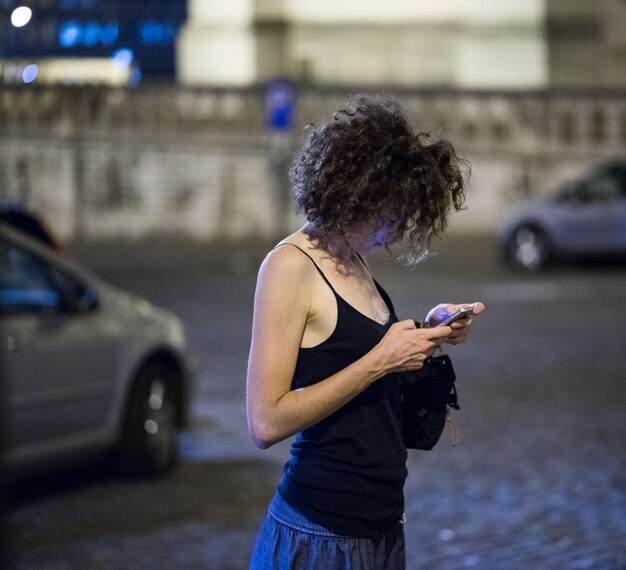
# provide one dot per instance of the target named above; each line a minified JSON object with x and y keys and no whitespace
{"x":538,"y":481}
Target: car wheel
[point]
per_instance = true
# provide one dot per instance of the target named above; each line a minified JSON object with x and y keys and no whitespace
{"x":149,"y":443}
{"x":528,"y":249}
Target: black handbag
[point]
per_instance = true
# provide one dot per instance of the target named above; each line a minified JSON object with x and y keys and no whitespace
{"x":427,"y":394}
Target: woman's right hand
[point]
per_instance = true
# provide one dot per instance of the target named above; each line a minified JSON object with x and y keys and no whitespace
{"x":405,"y":347}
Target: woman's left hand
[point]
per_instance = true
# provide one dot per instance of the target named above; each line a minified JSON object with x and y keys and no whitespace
{"x":460,"y":328}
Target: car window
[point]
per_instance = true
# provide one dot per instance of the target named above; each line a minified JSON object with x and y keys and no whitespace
{"x":602,"y":187}
{"x":618,"y":171}
{"x":29,"y":284}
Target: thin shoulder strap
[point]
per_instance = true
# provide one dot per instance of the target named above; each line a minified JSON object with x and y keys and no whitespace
{"x":313,"y":261}
{"x":363,"y":262}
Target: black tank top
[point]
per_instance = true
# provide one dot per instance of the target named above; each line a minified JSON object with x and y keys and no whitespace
{"x":347,"y":472}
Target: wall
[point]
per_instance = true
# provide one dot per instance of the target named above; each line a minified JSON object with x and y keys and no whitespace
{"x":495,"y":44}
{"x":587,"y":42}
{"x":110,"y":163}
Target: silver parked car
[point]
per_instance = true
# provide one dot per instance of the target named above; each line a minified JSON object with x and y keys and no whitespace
{"x":586,"y":217}
{"x":86,"y":366}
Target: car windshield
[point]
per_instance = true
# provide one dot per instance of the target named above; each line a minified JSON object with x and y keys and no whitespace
{"x":600,"y":186}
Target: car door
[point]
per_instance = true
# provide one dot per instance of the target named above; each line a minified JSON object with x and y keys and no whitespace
{"x":590,"y":216}
{"x":61,"y":354}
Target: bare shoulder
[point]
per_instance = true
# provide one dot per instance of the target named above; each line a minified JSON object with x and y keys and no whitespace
{"x":286,"y":265}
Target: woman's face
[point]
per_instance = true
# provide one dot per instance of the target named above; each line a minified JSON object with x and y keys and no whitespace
{"x":376,"y":233}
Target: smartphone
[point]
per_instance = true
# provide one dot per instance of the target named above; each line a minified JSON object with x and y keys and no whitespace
{"x":466,"y":311}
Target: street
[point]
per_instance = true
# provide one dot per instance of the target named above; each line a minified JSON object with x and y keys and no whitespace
{"x":538,"y":480}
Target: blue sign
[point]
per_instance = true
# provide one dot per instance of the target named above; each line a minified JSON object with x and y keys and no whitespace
{"x":279,"y":104}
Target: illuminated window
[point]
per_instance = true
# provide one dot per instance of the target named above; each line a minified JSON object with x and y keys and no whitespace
{"x":150,"y":32}
{"x":91,"y":34}
{"x":109,"y":34}
{"x":70,"y":34}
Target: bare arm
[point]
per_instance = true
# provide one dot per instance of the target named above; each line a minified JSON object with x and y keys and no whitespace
{"x":281,"y":311}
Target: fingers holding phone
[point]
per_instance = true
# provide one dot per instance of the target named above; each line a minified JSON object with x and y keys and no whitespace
{"x":406,"y":348}
{"x":457,"y":317}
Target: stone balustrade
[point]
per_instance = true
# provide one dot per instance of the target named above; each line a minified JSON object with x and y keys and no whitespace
{"x":110,"y":162}
{"x":559,"y":118}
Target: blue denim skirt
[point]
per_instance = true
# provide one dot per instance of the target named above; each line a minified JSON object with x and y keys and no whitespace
{"x":289,"y":541}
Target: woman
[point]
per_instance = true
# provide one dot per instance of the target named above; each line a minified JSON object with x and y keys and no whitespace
{"x":326,"y":341}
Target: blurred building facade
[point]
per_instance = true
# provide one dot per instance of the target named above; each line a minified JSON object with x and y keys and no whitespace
{"x":490,"y":44}
{"x":130,"y":163}
{"x":586,"y":43}
{"x":532,"y":93}
{"x":396,"y":42}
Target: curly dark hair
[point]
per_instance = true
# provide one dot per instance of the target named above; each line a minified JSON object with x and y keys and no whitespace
{"x":366,"y":162}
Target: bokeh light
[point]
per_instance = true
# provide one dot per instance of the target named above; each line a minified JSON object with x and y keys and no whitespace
{"x":91,"y":34}
{"x":122,"y":57}
{"x":21,"y":16}
{"x":70,"y":34}
{"x":30,"y":73}
{"x":109,"y":34}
